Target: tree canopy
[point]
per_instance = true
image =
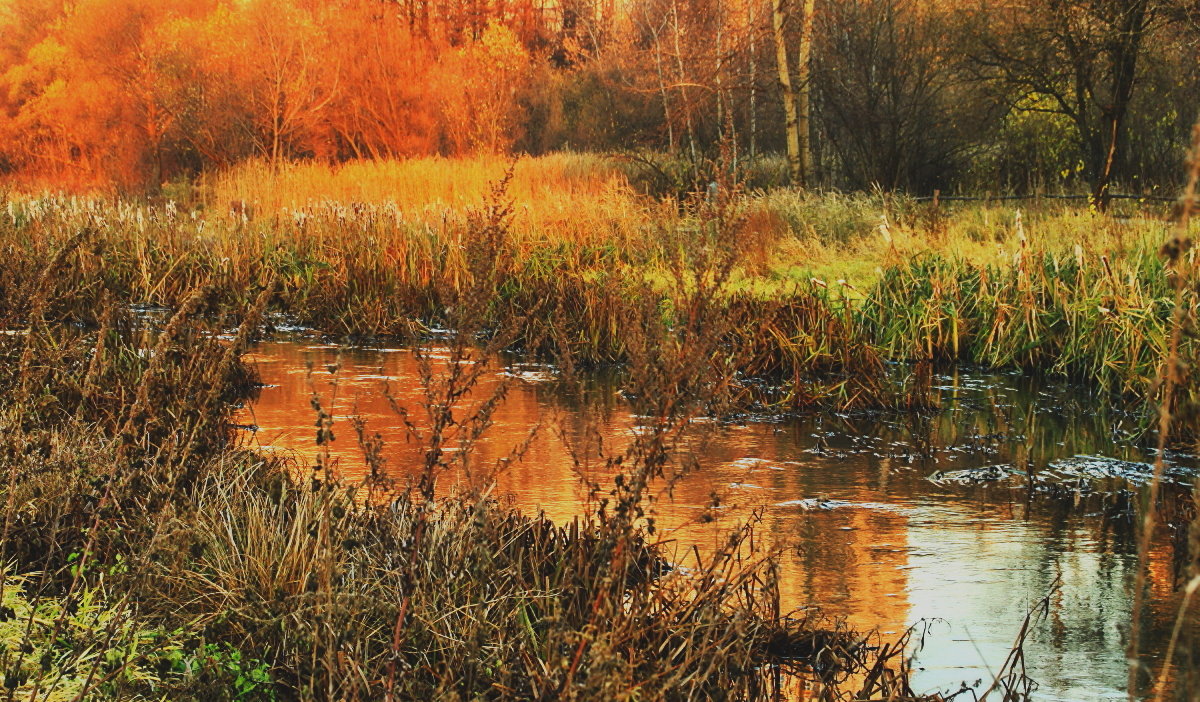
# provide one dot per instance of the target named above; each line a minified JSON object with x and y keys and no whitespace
{"x":905,"y":94}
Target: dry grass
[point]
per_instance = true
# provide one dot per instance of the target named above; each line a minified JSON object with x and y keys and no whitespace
{"x":565,"y":197}
{"x":1054,"y":288}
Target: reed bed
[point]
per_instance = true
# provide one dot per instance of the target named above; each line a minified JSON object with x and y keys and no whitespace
{"x":369,"y":250}
{"x":365,"y":271}
{"x":574,"y":197}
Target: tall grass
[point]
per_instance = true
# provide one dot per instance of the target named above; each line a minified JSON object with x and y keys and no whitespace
{"x":824,"y":284}
{"x":1079,"y":315}
{"x":365,"y":271}
{"x":562,"y":197}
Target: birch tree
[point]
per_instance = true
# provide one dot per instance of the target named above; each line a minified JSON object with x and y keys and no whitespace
{"x":795,"y":93}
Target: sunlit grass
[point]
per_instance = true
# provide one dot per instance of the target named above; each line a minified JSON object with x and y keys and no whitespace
{"x":561,"y":197}
{"x":370,"y":249}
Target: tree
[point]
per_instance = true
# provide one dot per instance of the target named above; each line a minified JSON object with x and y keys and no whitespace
{"x":294,"y":77}
{"x":787,"y":90}
{"x":480,"y":83}
{"x":1083,"y":56}
{"x":804,"y":94}
{"x":387,"y":113}
{"x":795,"y":94}
{"x":212,"y":106}
{"x":91,"y":96}
{"x":893,"y":105}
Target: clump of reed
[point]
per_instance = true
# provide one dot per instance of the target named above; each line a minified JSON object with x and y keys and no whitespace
{"x":1074,"y":314}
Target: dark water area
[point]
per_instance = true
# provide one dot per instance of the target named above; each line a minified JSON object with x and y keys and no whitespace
{"x":887,"y":522}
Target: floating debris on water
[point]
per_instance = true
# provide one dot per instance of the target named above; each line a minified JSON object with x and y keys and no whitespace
{"x":975,"y":476}
{"x":531,"y":372}
{"x":752,"y":464}
{"x":814,"y":503}
{"x":1080,"y":472}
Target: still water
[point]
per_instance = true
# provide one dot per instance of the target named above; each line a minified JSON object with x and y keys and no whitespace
{"x":865,"y":533}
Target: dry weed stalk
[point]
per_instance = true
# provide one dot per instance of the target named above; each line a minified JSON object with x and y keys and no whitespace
{"x":1180,"y":267}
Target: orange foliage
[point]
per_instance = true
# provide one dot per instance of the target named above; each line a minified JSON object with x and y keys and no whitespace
{"x":131,"y":92}
{"x":482,"y":80}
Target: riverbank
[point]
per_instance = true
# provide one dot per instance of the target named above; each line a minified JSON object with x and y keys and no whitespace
{"x":565,"y":257}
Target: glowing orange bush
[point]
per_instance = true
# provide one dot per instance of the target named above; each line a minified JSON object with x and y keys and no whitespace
{"x":130,"y":92}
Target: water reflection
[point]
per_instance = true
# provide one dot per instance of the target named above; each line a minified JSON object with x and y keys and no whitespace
{"x":865,"y":534}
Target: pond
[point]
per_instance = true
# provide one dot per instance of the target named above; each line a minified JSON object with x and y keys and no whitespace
{"x":887,"y":521}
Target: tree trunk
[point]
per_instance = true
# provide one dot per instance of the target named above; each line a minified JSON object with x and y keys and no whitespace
{"x":662,"y":89}
{"x":717,"y":78}
{"x":1132,"y":29}
{"x":791,"y":122}
{"x":804,"y":78}
{"x":753,"y":22}
{"x":683,"y":94}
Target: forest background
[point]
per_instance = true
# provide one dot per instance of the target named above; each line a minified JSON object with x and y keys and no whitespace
{"x":1009,"y":96}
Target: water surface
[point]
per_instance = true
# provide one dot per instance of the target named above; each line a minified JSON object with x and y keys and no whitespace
{"x":865,"y":533}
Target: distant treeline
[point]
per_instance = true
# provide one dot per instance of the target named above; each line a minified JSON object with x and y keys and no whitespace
{"x":917,"y":95}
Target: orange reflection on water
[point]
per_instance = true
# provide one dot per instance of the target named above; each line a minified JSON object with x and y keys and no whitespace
{"x":862,"y":533}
